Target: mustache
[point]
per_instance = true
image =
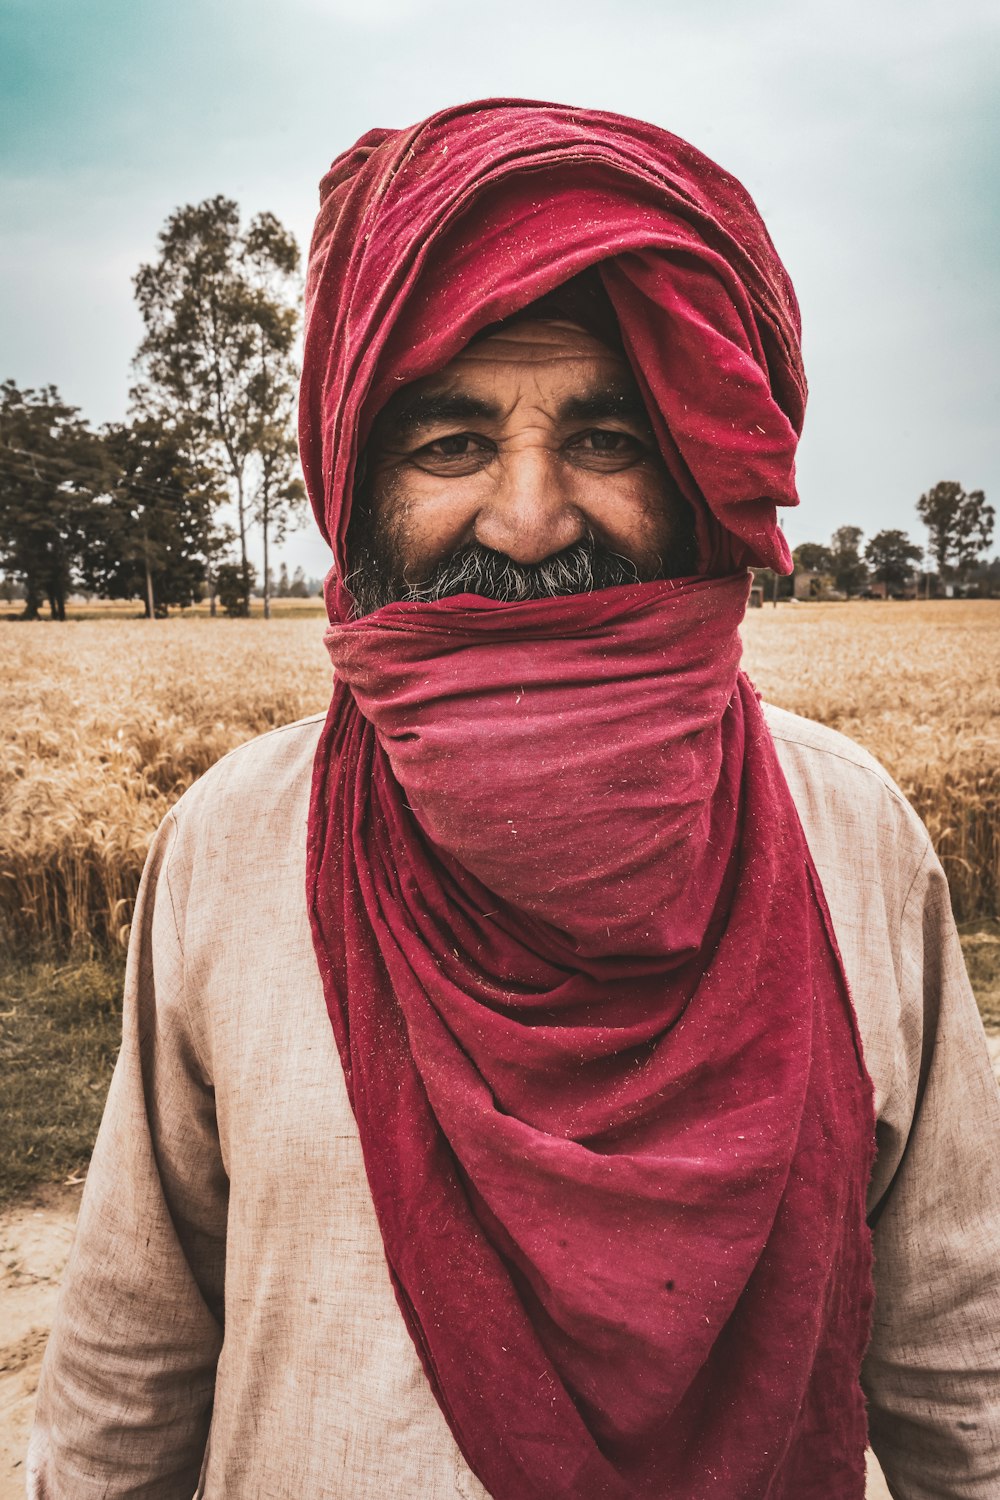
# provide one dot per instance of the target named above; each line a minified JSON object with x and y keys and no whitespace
{"x":585,"y":566}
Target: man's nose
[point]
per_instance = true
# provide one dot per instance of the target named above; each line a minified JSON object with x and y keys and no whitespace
{"x":530,"y":514}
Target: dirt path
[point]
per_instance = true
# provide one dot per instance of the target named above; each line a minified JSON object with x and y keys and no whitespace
{"x":35,"y":1237}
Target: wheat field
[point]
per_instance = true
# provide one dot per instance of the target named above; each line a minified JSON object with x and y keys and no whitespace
{"x":918,"y":684}
{"x":106,"y":721}
{"x":104,"y":724}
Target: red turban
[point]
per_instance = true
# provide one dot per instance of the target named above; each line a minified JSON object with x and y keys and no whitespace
{"x":425,"y":236}
{"x":593,"y":1023}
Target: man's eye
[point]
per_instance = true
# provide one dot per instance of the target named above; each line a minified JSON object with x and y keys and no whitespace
{"x":456,"y":445}
{"x":602,"y":441}
{"x":605,"y":443}
{"x":457,"y":453}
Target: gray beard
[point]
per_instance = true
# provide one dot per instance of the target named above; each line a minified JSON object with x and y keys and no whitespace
{"x":474,"y":569}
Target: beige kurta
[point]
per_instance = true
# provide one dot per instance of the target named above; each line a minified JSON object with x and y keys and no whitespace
{"x":227,"y":1190}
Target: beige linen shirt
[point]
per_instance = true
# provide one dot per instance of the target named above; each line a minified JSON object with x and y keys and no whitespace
{"x":227,"y":1327}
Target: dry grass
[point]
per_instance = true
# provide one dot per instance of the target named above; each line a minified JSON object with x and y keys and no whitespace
{"x":105,"y":722}
{"x":981,"y":950}
{"x":919,"y":686}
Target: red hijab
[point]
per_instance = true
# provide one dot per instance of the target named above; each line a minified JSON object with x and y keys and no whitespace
{"x":592,"y":1019}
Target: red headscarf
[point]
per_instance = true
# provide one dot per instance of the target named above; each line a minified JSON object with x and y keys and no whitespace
{"x":593,"y":1023}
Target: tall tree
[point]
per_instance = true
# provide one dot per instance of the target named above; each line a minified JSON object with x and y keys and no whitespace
{"x":272,"y":257}
{"x":813,"y":557}
{"x":219,"y":309}
{"x":960,"y":526}
{"x":51,"y":467}
{"x":891,"y":556}
{"x":152,"y":534}
{"x":847,"y":565}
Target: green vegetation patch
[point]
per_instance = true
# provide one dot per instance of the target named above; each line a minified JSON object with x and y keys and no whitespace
{"x":60,"y":1029}
{"x":981,"y":946}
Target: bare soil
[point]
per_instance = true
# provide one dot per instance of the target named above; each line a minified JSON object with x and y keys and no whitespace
{"x":35,"y":1238}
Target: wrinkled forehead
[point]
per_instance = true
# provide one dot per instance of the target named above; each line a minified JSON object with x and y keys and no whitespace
{"x":565,"y":342}
{"x":529,"y":339}
{"x":552,"y":367}
{"x":530,"y":347}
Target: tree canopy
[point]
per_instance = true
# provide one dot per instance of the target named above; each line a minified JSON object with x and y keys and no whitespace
{"x":813,"y":557}
{"x":220,"y":309}
{"x":849,"y":571}
{"x":151,"y":535}
{"x":960,"y":526}
{"x":52,"y":467}
{"x":891,"y":556}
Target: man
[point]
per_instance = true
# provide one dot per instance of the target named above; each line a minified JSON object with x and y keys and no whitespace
{"x":569,"y":1199}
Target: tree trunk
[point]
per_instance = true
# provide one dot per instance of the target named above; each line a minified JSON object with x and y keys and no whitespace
{"x":32,"y":600}
{"x":57,"y":587}
{"x":244,"y":561}
{"x":56,"y":594}
{"x":150,"y":601}
{"x":265,"y":521}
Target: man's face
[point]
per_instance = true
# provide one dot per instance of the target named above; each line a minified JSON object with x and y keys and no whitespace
{"x":526,"y":467}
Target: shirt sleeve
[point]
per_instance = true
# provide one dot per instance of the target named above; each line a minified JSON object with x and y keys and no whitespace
{"x":125,"y":1394}
{"x":932,"y":1373}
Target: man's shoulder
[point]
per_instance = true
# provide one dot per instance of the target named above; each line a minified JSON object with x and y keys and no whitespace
{"x":828,"y":753}
{"x":262,"y":787}
{"x":850,"y":807}
{"x":276,"y":764}
{"x":257,"y":781}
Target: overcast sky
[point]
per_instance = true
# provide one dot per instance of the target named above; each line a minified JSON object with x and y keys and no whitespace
{"x":868,"y":133}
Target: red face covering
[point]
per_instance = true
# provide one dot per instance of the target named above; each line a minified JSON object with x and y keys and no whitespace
{"x":593,"y":1024}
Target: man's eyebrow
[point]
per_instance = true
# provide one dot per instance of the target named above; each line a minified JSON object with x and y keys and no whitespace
{"x":427,"y":408}
{"x":430,"y":408}
{"x":623,"y":402}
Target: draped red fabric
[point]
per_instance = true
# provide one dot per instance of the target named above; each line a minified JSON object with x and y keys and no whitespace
{"x":592,"y":1019}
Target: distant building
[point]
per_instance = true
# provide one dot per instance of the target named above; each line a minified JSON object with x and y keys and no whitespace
{"x":809,"y":584}
{"x":771,"y":587}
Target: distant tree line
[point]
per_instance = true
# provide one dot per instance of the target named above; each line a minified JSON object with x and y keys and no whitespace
{"x":296,"y":587}
{"x":132,"y":510}
{"x":960,"y":529}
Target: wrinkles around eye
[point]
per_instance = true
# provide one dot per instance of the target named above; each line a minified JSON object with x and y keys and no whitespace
{"x":459,"y":453}
{"x":458,"y":445}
